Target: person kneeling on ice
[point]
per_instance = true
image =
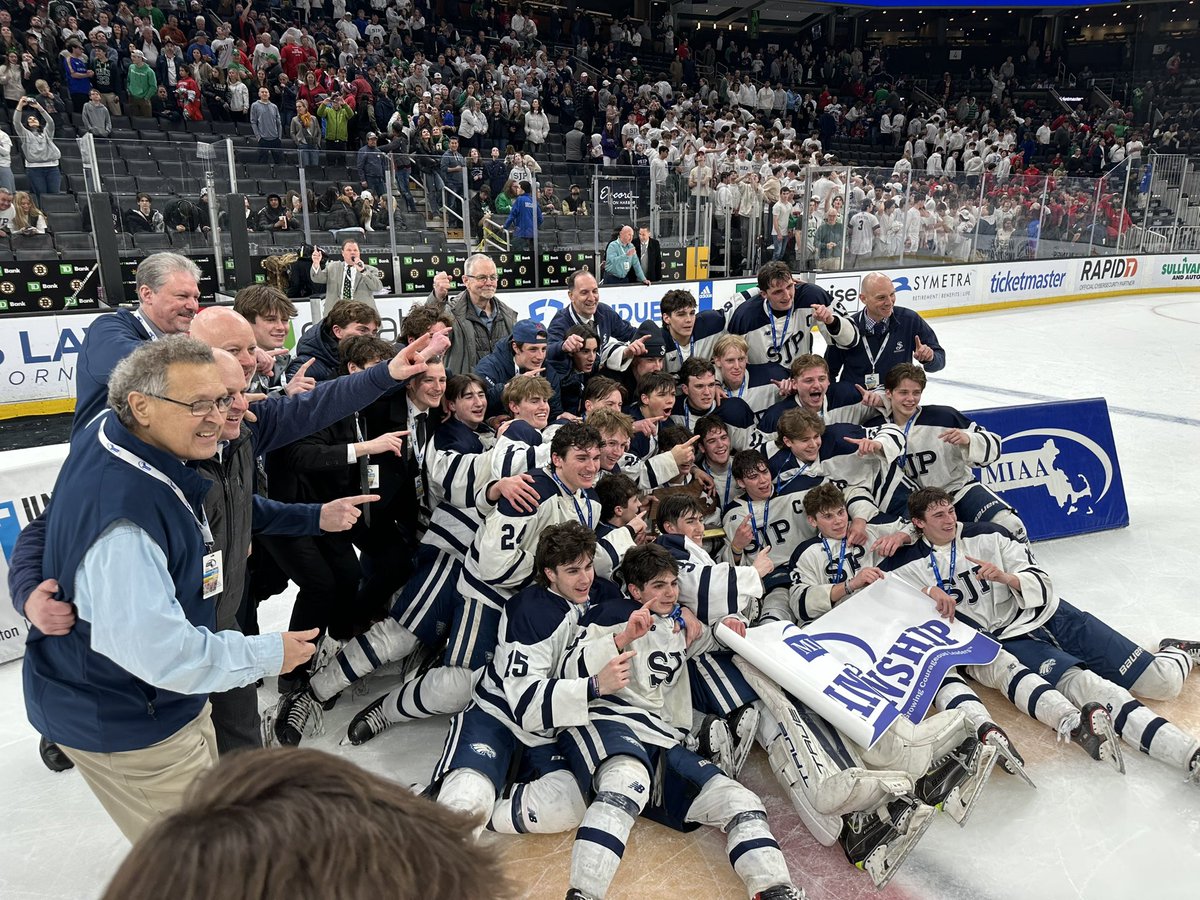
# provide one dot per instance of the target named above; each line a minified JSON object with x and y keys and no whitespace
{"x":980,"y":573}
{"x":631,"y":759}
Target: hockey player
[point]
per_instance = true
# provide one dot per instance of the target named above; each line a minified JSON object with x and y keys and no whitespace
{"x":823,"y":577}
{"x":423,"y":609}
{"x":941,"y":446}
{"x":616,"y":435}
{"x":841,"y":453}
{"x":522,"y":354}
{"x":500,"y":563}
{"x":655,"y":394}
{"x":777,"y":322}
{"x":698,"y":398}
{"x":979,"y":572}
{"x":716,"y":449}
{"x":521,"y":699}
{"x":630,"y":759}
{"x":620,"y":503}
{"x":736,"y":378}
{"x":812,"y":390}
{"x":686,"y":333}
{"x":523,"y":442}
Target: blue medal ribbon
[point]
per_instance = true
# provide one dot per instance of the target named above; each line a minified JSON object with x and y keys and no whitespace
{"x":953,"y":562}
{"x":839,"y":577}
{"x":578,"y":509}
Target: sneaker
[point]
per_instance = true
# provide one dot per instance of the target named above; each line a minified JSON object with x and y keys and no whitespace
{"x":53,"y":757}
{"x":1191,"y":648}
{"x":1095,"y":735}
{"x":743,"y":726}
{"x":715,"y":744}
{"x":1009,"y":759}
{"x":368,"y":723}
{"x":293,"y":716}
{"x":954,"y":784}
{"x":879,"y":846}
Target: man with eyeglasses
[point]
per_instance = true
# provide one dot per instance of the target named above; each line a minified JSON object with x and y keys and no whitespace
{"x":480,"y":319}
{"x":124,"y":692}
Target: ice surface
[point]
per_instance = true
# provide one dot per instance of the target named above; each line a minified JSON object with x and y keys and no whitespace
{"x":1085,"y":832}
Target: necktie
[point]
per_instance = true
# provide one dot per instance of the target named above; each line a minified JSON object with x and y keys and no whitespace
{"x":422,"y":435}
{"x":346,"y":286}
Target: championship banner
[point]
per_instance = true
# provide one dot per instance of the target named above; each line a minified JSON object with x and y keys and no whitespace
{"x":26,"y":479}
{"x":880,"y":655}
{"x":1058,"y":466}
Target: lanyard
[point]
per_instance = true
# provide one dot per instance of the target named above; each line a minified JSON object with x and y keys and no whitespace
{"x":132,"y":459}
{"x":937,"y":572}
{"x":728,"y":480}
{"x":578,"y":509}
{"x":777,"y":341}
{"x":742,"y":386}
{"x":780,"y":485}
{"x":867,"y":347}
{"x":150,"y":329}
{"x":838,"y":577}
{"x":766,"y":518}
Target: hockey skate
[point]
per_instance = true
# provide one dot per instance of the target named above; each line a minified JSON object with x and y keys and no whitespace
{"x":1193,"y":770}
{"x":293,"y":717}
{"x":954,"y":784}
{"x":715,"y":744}
{"x":879,"y":842}
{"x":743,"y":726}
{"x":577,"y":894}
{"x":780,"y":892}
{"x":1010,"y":760}
{"x":1095,"y":735}
{"x":368,"y":723}
{"x":1191,"y":648}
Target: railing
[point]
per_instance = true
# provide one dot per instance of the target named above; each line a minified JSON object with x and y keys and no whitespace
{"x":1127,"y":209}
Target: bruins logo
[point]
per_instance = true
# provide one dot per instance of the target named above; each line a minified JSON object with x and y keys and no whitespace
{"x":40,"y":270}
{"x":45,"y":303}
{"x":7,"y":287}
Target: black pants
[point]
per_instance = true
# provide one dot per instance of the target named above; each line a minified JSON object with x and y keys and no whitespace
{"x":236,"y":720}
{"x":326,"y":570}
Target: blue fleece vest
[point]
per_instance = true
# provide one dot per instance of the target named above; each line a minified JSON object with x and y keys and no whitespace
{"x":74,"y":695}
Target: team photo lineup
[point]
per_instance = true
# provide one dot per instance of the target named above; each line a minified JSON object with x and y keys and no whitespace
{"x":602,"y":567}
{"x":551,"y":547}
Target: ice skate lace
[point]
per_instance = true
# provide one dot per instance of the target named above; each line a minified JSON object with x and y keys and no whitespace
{"x":1068,"y":724}
{"x":307,"y":715}
{"x":376,"y":720}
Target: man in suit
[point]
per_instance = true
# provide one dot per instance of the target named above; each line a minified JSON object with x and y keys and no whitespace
{"x":347,"y":279}
{"x":649,"y":254}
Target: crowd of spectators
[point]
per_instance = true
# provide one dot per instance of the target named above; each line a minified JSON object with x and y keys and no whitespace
{"x":517,"y":109}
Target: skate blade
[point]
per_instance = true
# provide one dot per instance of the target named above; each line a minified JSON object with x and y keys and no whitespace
{"x":1110,"y":750}
{"x":960,"y":801}
{"x":884,"y":862}
{"x":1014,"y":767}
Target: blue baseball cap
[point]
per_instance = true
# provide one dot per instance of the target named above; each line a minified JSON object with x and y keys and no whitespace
{"x":530,"y":331}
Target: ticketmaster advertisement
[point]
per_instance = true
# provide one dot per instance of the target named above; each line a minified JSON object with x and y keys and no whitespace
{"x":1058,"y":466}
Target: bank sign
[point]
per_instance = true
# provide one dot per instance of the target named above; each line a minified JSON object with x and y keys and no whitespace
{"x":1058,"y":466}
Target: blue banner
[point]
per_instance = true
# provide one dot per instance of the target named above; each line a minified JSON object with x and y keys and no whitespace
{"x":1058,"y":468}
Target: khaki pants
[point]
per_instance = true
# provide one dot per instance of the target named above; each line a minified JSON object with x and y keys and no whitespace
{"x":136,"y":787}
{"x":140,"y":108}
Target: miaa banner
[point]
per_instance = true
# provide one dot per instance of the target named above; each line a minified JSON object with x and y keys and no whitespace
{"x":880,"y":655}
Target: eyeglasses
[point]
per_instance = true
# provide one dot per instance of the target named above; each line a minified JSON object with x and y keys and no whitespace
{"x":485,"y":277}
{"x":200,"y":408}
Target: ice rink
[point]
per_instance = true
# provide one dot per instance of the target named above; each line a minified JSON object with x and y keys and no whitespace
{"x":1085,"y":832}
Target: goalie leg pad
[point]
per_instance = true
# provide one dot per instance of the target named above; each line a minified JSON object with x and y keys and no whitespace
{"x":910,"y":748}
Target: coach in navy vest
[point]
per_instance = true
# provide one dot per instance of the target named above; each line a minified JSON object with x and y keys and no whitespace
{"x":168,"y":299}
{"x":124,"y":693}
{"x":887,"y":335}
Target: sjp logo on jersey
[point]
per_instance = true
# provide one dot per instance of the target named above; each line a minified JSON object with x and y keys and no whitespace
{"x":1108,"y":272}
{"x":544,"y":310}
{"x":1058,"y":467}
